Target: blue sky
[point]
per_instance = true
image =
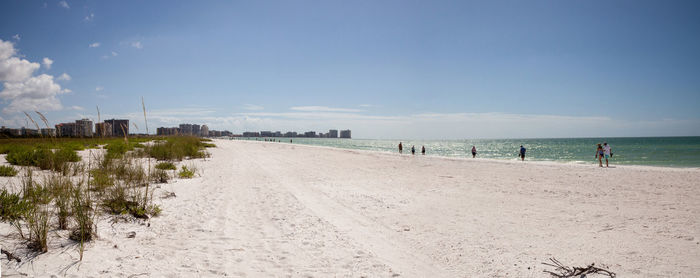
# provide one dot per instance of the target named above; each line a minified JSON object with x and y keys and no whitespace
{"x":385,"y":69}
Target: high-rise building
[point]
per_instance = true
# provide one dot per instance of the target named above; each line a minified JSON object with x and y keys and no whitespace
{"x":103,"y":130}
{"x":345,"y":134}
{"x":333,"y":133}
{"x":185,"y":129}
{"x":204,"y":131}
{"x":120,"y":127}
{"x":195,"y":130}
{"x":84,"y":128}
{"x":66,"y":130}
{"x":310,"y":134}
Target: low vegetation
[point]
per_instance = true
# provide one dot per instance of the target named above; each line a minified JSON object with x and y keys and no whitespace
{"x":166,"y":166}
{"x":7,"y":171}
{"x":178,"y":148}
{"x":76,"y":191}
{"x":186,"y":172}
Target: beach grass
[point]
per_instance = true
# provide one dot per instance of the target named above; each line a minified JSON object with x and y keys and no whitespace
{"x":75,"y":191}
{"x":7,"y":171}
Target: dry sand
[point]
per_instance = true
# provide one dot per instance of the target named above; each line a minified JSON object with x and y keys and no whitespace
{"x":264,"y":209}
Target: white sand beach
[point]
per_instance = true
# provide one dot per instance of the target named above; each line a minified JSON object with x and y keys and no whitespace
{"x":261,"y":209}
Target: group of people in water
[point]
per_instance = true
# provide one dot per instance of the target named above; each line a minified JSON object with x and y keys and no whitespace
{"x":413,"y":149}
{"x":603,"y":151}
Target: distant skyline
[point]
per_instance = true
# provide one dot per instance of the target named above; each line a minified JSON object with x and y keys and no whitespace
{"x":383,"y":69}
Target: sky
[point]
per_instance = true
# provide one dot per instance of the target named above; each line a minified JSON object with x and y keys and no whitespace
{"x":384,"y":69}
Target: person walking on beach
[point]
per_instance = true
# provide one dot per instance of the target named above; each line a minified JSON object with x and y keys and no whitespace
{"x":473,"y":151}
{"x":423,"y":150}
{"x":400,"y":148}
{"x":599,"y":155}
{"x":607,"y":151}
{"x":413,"y":150}
{"x":522,"y":152}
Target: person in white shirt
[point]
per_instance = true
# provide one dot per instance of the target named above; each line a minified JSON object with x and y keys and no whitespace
{"x":608,"y":152}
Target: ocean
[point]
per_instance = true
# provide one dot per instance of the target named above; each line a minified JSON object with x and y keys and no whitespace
{"x":650,"y":151}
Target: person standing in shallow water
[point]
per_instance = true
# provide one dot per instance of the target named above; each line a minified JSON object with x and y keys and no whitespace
{"x":400,"y":148}
{"x":522,"y":153}
{"x":473,"y":151}
{"x":413,"y":150}
{"x":423,"y":150}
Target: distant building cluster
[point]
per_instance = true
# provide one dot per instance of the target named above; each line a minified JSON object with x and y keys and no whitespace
{"x":192,"y":130}
{"x":333,"y":133}
{"x":79,"y":128}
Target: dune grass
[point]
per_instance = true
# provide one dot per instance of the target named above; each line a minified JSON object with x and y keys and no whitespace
{"x":76,"y":192}
{"x":7,"y":171}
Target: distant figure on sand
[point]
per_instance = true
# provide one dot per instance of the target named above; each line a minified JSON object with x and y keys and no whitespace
{"x":599,"y":152}
{"x":522,"y":153}
{"x":473,"y":151}
{"x":423,"y":150}
{"x":400,"y":148}
{"x":608,"y":152}
{"x":413,"y":150}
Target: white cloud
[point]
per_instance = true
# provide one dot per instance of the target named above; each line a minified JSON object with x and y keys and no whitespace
{"x":77,"y":108}
{"x":47,"y":63}
{"x":323,"y":109}
{"x":114,"y":54}
{"x":21,"y":89}
{"x":14,"y":69}
{"x":89,"y":17}
{"x":36,"y":93}
{"x":16,"y":37}
{"x":253,"y":107}
{"x":137,"y":45}
{"x":94,"y":44}
{"x":99,"y":88}
{"x":63,"y":4}
{"x":64,"y":77}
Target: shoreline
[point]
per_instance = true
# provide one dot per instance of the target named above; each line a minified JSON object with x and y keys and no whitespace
{"x":494,"y":160}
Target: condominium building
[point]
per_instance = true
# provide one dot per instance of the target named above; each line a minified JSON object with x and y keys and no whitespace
{"x":345,"y":134}
{"x":103,"y":129}
{"x":83,"y":128}
{"x":120,"y":127}
{"x":66,"y":130}
{"x":204,"y":131}
{"x":333,"y":133}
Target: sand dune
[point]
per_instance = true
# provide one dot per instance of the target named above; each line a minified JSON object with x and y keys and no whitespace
{"x":264,"y":209}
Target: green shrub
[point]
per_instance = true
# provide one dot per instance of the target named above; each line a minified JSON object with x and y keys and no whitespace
{"x":177,"y":148}
{"x":160,"y":176}
{"x":7,"y":171}
{"x":186,"y":173}
{"x":100,"y":180}
{"x":12,"y":209}
{"x":61,"y":190}
{"x":166,"y":166}
{"x":42,"y":157}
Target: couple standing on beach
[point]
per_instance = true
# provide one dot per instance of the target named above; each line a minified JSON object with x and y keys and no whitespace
{"x":604,"y":150}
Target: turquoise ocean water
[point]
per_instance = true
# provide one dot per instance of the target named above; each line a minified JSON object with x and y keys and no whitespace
{"x":651,"y":151}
